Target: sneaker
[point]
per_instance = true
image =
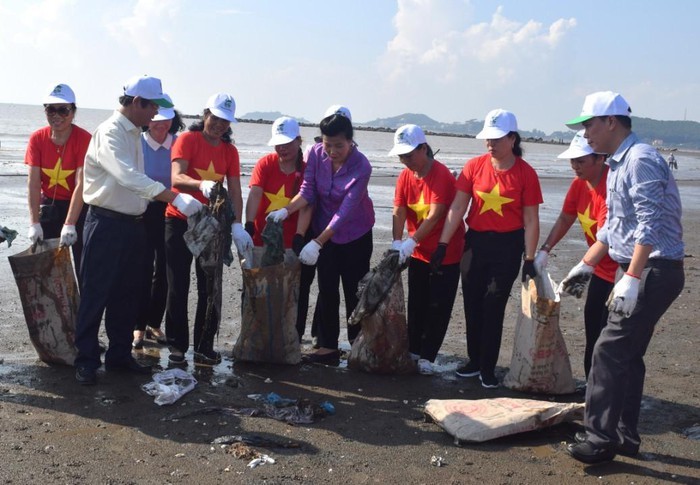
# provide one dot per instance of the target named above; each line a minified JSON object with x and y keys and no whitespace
{"x":469,"y":370}
{"x":210,"y":358}
{"x":177,"y":358}
{"x":425,"y":367}
{"x":488,"y":381}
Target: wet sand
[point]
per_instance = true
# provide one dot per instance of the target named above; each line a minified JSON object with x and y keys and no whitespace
{"x":53,"y":430}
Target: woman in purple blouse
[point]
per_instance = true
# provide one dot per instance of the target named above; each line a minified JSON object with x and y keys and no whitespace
{"x":335,"y":184}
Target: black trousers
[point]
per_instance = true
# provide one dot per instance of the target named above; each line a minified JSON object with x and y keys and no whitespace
{"x":308,"y":273}
{"x":431,"y":297}
{"x":52,"y":229}
{"x":616,"y":380}
{"x":110,"y":266}
{"x":595,"y":315}
{"x":154,"y":282}
{"x":348,"y":262}
{"x":178,"y":261}
{"x":486,"y":285}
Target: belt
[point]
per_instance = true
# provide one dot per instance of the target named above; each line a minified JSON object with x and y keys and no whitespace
{"x":115,"y":215}
{"x":659,"y":263}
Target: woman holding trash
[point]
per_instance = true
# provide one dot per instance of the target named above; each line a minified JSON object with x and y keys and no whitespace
{"x":503,"y":227}
{"x":585,"y":201}
{"x":156,"y":141}
{"x":200,"y":157}
{"x":276,"y":179}
{"x":335,"y":184}
{"x":55,"y":156}
{"x":424,"y":191}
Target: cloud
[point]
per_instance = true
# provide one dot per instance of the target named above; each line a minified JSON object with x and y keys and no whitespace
{"x":148,"y":27}
{"x":436,"y":33}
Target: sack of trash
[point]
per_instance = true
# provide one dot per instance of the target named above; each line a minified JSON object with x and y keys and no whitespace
{"x":169,"y":386}
{"x":382,"y":345}
{"x":540,"y":361}
{"x":477,"y":420}
{"x":269,"y":306}
{"x":49,"y":295}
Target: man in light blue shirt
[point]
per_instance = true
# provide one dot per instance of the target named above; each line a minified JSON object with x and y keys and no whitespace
{"x":642,"y":233}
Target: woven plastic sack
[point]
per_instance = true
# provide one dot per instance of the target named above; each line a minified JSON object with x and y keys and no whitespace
{"x":49,"y":295}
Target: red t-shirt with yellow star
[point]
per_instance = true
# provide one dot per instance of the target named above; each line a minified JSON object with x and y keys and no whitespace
{"x":278,"y":190}
{"x":498,"y":196}
{"x":58,"y":163}
{"x":205,"y":162}
{"x":588,"y":205}
{"x":416,"y":195}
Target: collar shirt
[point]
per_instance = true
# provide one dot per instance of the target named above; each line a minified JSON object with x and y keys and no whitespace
{"x":167,"y":143}
{"x":644,"y":206}
{"x":114,"y":175}
{"x":341,"y":200}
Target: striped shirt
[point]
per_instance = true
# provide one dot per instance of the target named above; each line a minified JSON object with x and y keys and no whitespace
{"x":644,"y":206}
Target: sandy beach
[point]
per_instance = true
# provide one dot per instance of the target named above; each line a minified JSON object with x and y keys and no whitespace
{"x":53,"y":430}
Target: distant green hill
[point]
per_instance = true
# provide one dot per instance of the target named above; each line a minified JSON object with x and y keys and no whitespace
{"x":680,"y":134}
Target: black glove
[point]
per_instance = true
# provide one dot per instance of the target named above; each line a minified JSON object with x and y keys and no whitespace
{"x":528,"y":269}
{"x":437,"y":256}
{"x":250,"y":228}
{"x":298,"y":243}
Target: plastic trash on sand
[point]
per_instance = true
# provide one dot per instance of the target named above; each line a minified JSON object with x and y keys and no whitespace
{"x":169,"y":386}
{"x":485,"y":419}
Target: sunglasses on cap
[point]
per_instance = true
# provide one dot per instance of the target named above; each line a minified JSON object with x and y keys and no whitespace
{"x":61,"y":110}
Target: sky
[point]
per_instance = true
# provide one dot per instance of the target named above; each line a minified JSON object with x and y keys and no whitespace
{"x":453,"y":60}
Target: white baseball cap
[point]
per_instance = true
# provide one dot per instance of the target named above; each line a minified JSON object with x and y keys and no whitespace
{"x":406,"y":139}
{"x":147,"y":87}
{"x":579,"y":147}
{"x":222,"y":105}
{"x":165,"y":113}
{"x":498,"y":123}
{"x":338,"y":109}
{"x":284,"y":130}
{"x":602,"y":103}
{"x":61,"y":93}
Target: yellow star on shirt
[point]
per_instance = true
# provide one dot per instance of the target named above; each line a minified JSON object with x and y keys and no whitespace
{"x":58,"y":176}
{"x":493,"y":200}
{"x":587,"y":223}
{"x":277,"y":201}
{"x":420,"y":208}
{"x":209,"y":173}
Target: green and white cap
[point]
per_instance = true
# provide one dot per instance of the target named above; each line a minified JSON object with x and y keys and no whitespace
{"x":602,"y":103}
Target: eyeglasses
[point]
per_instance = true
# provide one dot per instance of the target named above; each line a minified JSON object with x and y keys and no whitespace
{"x":61,"y":110}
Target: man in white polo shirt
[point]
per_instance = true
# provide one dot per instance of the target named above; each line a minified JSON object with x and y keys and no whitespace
{"x":118,"y":191}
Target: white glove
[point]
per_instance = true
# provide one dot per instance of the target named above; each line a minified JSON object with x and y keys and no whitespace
{"x":69,"y":235}
{"x":36,"y":233}
{"x":406,"y":249}
{"x":309,"y":255}
{"x":278,"y":215}
{"x":396,"y":245}
{"x":241,"y":238}
{"x":575,"y":282}
{"x":187,"y":204}
{"x":205,"y":186}
{"x":624,"y":295}
{"x":541,"y":259}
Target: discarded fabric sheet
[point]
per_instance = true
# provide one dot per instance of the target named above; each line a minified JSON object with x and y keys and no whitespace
{"x":486,"y":419}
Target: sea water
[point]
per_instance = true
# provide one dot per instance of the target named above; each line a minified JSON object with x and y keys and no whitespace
{"x":17,"y":122}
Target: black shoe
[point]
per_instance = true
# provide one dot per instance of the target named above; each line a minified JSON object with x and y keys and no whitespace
{"x":210,"y":358}
{"x":489,"y":381}
{"x":156,"y":335}
{"x":86,"y":376}
{"x":137,"y":344}
{"x":624,"y":449}
{"x":331,"y":358}
{"x":129,"y":365}
{"x":469,"y":370}
{"x":177,"y":358}
{"x":587,"y":452}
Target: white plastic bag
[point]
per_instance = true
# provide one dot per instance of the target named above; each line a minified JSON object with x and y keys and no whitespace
{"x":169,"y":386}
